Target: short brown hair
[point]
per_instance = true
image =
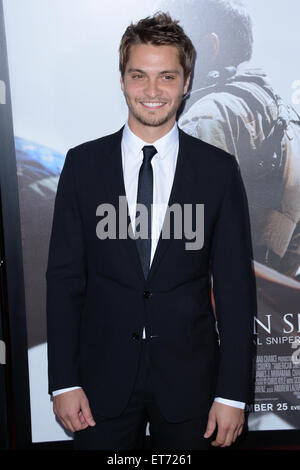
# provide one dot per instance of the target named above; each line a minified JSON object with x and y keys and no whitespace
{"x":158,"y":30}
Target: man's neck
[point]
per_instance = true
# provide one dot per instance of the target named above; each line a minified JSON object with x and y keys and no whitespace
{"x":150,"y":134}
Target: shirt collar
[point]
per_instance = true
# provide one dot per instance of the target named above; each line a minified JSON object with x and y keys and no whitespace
{"x":163,"y":145}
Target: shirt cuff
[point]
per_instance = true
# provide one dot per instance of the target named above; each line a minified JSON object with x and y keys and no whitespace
{"x":236,"y":404}
{"x":63,"y":390}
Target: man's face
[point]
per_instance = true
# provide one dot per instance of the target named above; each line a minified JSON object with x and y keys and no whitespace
{"x":153,"y":84}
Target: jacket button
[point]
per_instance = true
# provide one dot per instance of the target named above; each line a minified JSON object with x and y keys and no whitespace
{"x":147,"y":294}
{"x":135,"y":336}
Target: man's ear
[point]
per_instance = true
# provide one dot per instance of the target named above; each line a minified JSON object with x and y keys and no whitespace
{"x":122,"y":83}
{"x":186,"y":85}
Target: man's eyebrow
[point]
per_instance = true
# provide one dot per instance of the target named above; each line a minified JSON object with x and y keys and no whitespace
{"x":135,"y":70}
{"x":170,"y":71}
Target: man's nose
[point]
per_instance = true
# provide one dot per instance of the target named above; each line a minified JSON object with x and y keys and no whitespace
{"x":152,"y":88}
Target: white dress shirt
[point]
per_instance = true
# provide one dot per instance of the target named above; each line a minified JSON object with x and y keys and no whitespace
{"x":163,"y":165}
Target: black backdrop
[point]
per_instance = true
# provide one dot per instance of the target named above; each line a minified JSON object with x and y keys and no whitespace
{"x":15,"y":430}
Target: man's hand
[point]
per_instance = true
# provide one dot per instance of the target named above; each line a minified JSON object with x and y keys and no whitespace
{"x":73,"y":410}
{"x":230,"y":422}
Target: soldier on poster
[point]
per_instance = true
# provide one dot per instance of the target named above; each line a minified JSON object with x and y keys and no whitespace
{"x":235,"y":108}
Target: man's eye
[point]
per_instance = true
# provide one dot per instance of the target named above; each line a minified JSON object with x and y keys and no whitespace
{"x":168,"y":77}
{"x":137,"y":76}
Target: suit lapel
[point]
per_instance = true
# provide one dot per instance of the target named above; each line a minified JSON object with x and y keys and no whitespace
{"x":180,"y":184}
{"x":117,"y":188}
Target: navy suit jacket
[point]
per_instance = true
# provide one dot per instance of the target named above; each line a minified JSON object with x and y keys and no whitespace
{"x":98,"y":300}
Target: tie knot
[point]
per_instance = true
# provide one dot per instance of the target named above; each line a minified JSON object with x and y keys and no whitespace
{"x":149,"y":151}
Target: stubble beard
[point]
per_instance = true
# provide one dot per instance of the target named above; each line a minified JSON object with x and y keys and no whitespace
{"x":153,"y":121}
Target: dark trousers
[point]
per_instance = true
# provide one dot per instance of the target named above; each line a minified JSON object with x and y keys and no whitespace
{"x":127,"y":431}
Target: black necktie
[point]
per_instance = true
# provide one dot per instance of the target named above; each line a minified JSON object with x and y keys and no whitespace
{"x":145,"y":197}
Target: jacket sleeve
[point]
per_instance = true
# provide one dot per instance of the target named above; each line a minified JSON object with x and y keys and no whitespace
{"x":66,"y":283}
{"x":234,"y":289}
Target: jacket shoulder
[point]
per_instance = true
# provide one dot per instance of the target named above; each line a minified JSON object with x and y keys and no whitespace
{"x":102,"y":143}
{"x":212,"y":155}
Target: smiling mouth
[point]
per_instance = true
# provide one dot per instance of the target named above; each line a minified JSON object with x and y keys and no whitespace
{"x":153,"y":105}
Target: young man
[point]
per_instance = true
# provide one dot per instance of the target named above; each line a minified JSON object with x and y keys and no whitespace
{"x":131,"y":330}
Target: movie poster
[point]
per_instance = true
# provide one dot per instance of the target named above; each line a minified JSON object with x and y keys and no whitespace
{"x":245,"y":98}
{"x":244,"y":102}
